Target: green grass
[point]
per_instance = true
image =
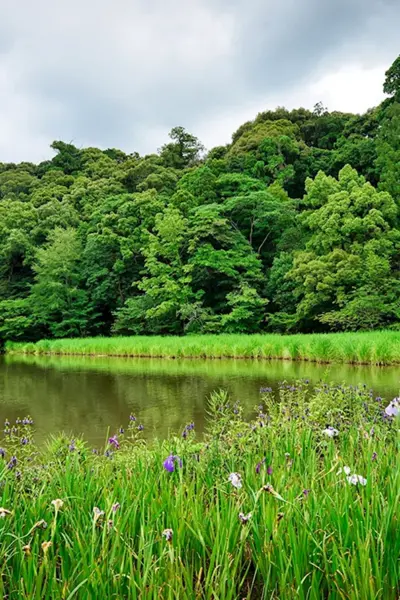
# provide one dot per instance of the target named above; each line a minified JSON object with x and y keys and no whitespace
{"x":337,"y":541}
{"x":377,"y":348}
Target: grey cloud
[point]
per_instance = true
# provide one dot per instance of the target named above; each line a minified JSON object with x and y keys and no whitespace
{"x":121,"y":73}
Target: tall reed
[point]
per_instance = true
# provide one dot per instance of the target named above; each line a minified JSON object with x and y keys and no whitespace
{"x":377,"y":348}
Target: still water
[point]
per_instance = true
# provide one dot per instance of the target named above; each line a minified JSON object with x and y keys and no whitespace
{"x":86,"y":396}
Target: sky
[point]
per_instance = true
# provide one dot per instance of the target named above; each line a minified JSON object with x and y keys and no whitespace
{"x":122,"y":73}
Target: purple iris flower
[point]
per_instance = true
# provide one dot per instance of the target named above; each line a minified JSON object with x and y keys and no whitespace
{"x":269,"y":470}
{"x":140,"y":427}
{"x":113,"y":441}
{"x":2,"y":452}
{"x":12,"y":463}
{"x":170,"y":461}
{"x":24,"y":441}
{"x":132,"y":417}
{"x":259,"y":465}
{"x":121,"y":430}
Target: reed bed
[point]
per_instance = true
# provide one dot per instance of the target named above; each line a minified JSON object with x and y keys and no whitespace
{"x":376,"y":348}
{"x":302,"y":502}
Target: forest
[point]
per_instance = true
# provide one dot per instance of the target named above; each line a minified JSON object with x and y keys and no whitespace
{"x":292,"y":227}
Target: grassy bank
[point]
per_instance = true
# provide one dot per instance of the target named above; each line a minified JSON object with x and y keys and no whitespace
{"x":378,"y":348}
{"x":124,"y":522}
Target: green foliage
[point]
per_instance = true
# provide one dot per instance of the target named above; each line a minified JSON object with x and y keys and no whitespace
{"x":391,"y":85}
{"x":290,"y":523}
{"x":285,"y":222}
{"x":57,"y":301}
{"x":375,"y":348}
{"x":350,"y":258}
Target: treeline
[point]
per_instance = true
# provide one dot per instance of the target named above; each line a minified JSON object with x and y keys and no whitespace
{"x":292,"y":227}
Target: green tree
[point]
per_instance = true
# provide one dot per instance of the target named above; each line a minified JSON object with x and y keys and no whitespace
{"x":58,"y":302}
{"x":391,"y":85}
{"x":185,"y":150}
{"x":352,"y":249}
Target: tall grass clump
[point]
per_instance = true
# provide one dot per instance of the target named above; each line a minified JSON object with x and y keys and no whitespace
{"x":302,"y":502}
{"x":376,"y":348}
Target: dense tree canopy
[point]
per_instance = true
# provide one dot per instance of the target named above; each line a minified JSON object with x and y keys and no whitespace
{"x":293,"y":226}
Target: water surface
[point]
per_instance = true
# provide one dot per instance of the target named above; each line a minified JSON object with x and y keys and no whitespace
{"x":87,"y":395}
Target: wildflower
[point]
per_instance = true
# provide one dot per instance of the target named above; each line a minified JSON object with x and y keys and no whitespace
{"x":132,"y":418}
{"x":18,"y":421}
{"x":357,"y":479}
{"x":72,"y":446}
{"x":244,"y":518}
{"x":27,"y":550}
{"x":58,"y":503}
{"x":6,"y":423}
{"x":269,"y":470}
{"x":140,"y":427}
{"x":2,"y":452}
{"x":306,"y":492}
{"x":259,"y":465}
{"x":4,"y":512}
{"x":170,"y":461}
{"x":110,"y":523}
{"x":24,"y":441}
{"x":97,"y":514}
{"x":46,"y":546}
{"x":345,"y":470}
{"x":393,"y":408}
{"x":42,"y":524}
{"x":115,"y":507}
{"x":269,"y":488}
{"x":168,"y":533}
{"x":330,"y":431}
{"x":374,"y":457}
{"x":95,"y":451}
{"x":113,"y":441}
{"x":236,"y":480}
{"x":121,"y":430}
{"x":12,"y":463}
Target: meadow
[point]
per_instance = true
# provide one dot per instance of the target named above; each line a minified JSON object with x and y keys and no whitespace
{"x":375,"y":348}
{"x":302,"y":502}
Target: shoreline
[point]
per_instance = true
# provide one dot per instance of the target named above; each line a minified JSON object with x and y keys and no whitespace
{"x":380,"y":348}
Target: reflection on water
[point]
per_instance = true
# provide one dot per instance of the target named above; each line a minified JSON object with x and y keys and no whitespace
{"x":87,"y":395}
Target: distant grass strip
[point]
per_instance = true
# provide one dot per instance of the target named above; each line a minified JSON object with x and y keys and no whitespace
{"x":375,"y":348}
{"x":301,"y":503}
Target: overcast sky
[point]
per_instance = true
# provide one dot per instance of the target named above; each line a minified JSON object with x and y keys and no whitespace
{"x":122,"y":73}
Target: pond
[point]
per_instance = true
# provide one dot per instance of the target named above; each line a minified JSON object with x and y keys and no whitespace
{"x":87,"y":395}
